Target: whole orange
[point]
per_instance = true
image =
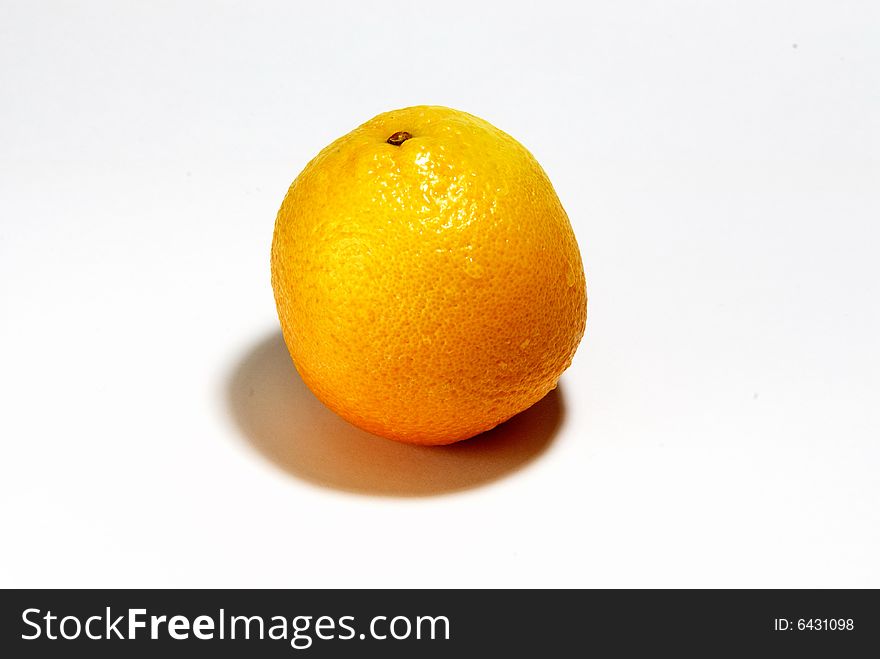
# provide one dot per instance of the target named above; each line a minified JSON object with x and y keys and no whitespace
{"x":427,"y":278}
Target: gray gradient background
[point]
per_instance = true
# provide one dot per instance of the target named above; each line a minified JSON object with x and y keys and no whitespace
{"x":720,"y":423}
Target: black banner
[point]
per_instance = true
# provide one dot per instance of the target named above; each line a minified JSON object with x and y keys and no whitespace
{"x":437,"y":623}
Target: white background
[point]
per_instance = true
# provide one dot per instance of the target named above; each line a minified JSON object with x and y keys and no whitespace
{"x":720,"y":423}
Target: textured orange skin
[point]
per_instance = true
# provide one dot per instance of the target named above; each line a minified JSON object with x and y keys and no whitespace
{"x":428,"y":291}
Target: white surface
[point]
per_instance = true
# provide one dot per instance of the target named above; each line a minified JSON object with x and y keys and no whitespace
{"x":719,"y":162}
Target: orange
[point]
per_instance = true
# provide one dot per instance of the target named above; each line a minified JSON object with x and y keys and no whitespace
{"x":427,"y":278}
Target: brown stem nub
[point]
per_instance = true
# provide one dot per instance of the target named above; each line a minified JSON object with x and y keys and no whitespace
{"x":399,"y":138}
